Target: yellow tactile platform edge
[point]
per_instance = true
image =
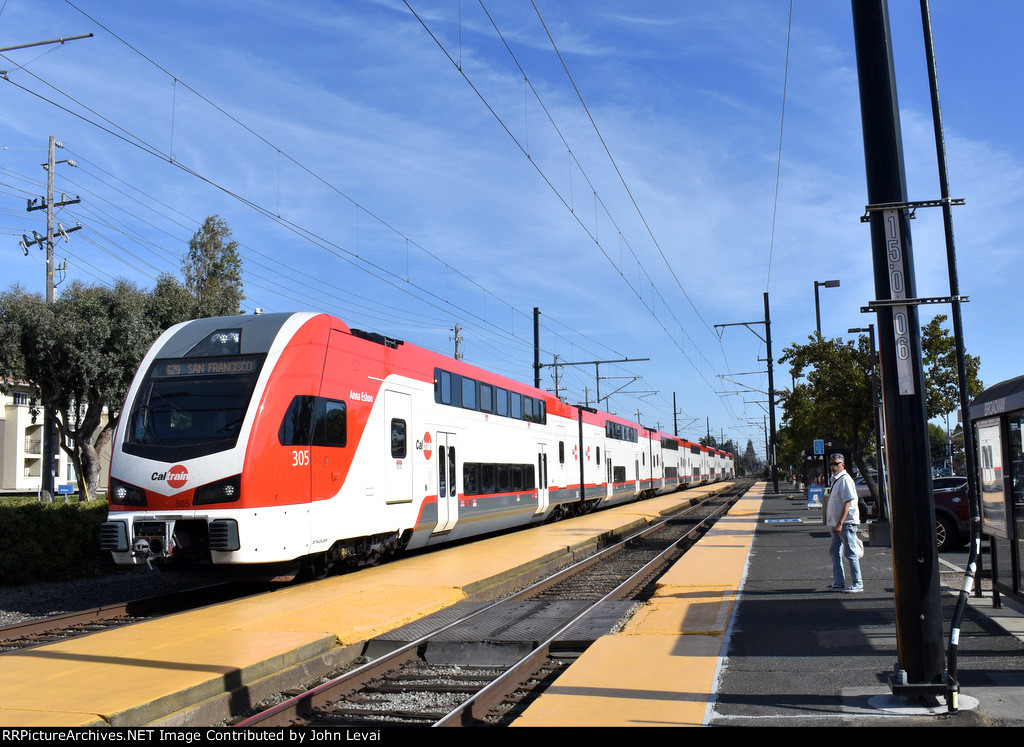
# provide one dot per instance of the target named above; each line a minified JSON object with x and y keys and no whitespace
{"x":660,"y":669}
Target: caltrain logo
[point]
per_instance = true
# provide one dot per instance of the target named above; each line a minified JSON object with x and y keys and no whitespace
{"x":428,"y":448}
{"x":176,"y":476}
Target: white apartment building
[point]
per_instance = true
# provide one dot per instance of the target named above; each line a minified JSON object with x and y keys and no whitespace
{"x":21,"y":448}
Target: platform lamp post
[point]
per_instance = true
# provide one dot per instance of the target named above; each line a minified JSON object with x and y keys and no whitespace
{"x":817,"y":307}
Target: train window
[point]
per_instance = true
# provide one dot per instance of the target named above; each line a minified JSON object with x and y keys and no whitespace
{"x":504,"y":479}
{"x":517,"y":477}
{"x":187,"y":408}
{"x":529,"y":479}
{"x":220,"y":342}
{"x":468,"y":393}
{"x":486,"y":398}
{"x":599,"y":456}
{"x":398,"y":440}
{"x":541,"y":412}
{"x":501,"y":402}
{"x":445,"y":386}
{"x":488,"y":479}
{"x":544,"y":476}
{"x":517,"y":406}
{"x":297,"y":426}
{"x":331,"y":427}
{"x":561,"y":452}
{"x":471,"y":478}
{"x":442,"y":482}
{"x":451,"y":470}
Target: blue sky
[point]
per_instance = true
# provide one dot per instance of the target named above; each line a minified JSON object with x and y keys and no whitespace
{"x":415,"y":167}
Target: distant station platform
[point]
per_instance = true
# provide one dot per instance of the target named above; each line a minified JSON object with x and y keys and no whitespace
{"x":762,"y":642}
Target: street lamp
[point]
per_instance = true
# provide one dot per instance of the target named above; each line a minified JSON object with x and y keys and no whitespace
{"x":817,"y":310}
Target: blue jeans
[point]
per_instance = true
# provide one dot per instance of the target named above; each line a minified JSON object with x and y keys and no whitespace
{"x":844,"y":544}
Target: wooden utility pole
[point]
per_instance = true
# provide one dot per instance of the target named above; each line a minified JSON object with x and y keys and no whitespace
{"x":49,"y":423}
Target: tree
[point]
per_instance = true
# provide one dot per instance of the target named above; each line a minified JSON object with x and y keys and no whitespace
{"x":80,"y":354}
{"x":938,"y":441}
{"x":749,"y":458}
{"x":940,"y":369}
{"x":171,"y":302}
{"x":833,"y":401}
{"x":213,"y":270}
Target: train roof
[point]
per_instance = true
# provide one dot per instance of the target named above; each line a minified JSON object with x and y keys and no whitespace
{"x":999,"y":398}
{"x":257,"y":333}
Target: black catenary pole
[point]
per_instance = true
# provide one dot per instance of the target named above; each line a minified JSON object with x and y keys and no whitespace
{"x":921,"y":661}
{"x":961,"y":355}
{"x":772,"y":445}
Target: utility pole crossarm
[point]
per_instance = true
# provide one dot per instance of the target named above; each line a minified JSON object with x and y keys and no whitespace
{"x":61,"y":40}
{"x":748,"y":325}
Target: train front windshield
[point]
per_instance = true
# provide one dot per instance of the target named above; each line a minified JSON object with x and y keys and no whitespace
{"x":190,"y":407}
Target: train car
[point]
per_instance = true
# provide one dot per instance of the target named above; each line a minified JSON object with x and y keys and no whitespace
{"x":288,"y":441}
{"x":671,"y":466}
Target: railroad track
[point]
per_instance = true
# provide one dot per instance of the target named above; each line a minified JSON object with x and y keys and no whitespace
{"x":55,"y":628}
{"x":479,"y":663}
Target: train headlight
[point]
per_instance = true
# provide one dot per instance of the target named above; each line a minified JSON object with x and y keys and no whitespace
{"x":123,"y":494}
{"x":222,"y":491}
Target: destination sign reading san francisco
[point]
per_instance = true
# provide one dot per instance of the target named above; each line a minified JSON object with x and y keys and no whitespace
{"x":205,"y":367}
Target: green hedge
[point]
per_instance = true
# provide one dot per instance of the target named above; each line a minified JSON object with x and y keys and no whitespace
{"x":51,"y":541}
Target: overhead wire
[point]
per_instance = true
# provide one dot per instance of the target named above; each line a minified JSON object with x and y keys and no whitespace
{"x":130,"y":138}
{"x":561,"y":197}
{"x":378,"y":272}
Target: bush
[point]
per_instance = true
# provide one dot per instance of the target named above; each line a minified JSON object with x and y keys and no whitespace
{"x":50,"y":541}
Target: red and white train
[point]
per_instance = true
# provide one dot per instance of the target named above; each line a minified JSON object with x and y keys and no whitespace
{"x":289,"y":440}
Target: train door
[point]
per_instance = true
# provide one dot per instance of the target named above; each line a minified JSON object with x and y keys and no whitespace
{"x":610,"y":484}
{"x":543,"y":494}
{"x":560,"y":475}
{"x":638,"y":483}
{"x":447,"y":483}
{"x":398,"y":465}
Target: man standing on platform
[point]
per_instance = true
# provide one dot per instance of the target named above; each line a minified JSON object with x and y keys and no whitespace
{"x":843,"y":519}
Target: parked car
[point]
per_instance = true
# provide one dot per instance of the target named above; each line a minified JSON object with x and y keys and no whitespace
{"x":952,"y":512}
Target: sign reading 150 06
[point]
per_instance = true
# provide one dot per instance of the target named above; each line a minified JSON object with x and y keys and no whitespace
{"x":205,"y":367}
{"x":898,"y":292}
